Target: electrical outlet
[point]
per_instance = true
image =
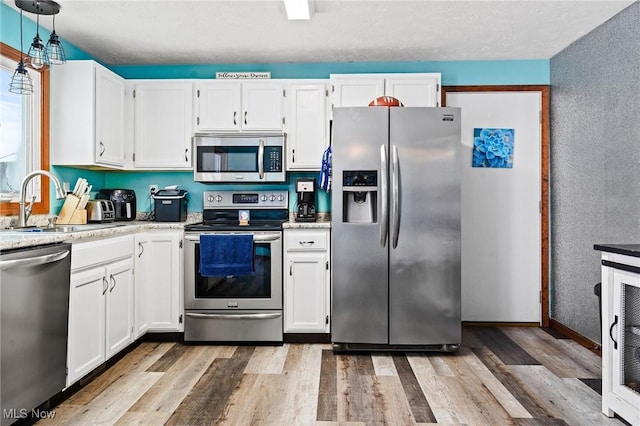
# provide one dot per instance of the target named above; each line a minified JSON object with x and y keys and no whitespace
{"x":153,"y":189}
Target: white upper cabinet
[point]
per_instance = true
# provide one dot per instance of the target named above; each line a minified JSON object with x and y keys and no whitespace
{"x":163,"y":124}
{"x":307,"y":124}
{"x":233,"y":106}
{"x":87,"y":116}
{"x":413,"y":90}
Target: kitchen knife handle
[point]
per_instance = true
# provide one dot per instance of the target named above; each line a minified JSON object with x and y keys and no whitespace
{"x":395,"y":195}
{"x":383,"y":196}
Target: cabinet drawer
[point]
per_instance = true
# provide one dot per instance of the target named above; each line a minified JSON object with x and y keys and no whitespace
{"x":306,"y":240}
{"x":91,"y":253}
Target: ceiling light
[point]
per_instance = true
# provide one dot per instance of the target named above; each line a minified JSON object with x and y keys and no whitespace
{"x":39,"y":55}
{"x":298,"y":9}
{"x":21,"y":80}
{"x":54,"y":47}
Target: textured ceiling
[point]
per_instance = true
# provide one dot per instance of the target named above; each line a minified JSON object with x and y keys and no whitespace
{"x":235,"y":31}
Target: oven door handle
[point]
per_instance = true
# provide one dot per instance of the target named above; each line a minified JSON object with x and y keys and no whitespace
{"x":258,"y":238}
{"x":234,"y":316}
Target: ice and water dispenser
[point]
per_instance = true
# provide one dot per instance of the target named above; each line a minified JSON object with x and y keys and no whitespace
{"x":360,"y":194}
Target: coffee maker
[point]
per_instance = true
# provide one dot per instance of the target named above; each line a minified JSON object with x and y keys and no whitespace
{"x":306,"y":190}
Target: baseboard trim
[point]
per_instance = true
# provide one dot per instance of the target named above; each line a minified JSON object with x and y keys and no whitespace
{"x":499,"y":324}
{"x":307,"y":338}
{"x":574,"y":335}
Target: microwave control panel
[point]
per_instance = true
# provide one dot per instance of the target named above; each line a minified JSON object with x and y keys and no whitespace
{"x":273,"y":159}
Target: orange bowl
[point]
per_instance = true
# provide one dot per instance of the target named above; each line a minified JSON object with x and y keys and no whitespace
{"x":388,"y":101}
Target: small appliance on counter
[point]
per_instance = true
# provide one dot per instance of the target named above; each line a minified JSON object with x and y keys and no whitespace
{"x":170,"y":205}
{"x":100,"y":211}
{"x":124,"y":202}
{"x":306,"y":190}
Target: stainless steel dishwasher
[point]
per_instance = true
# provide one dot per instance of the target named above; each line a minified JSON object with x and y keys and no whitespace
{"x":34,"y":311}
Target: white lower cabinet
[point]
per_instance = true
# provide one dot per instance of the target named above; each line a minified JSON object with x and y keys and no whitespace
{"x":158,"y":279}
{"x":307,"y":281}
{"x":100,"y":303}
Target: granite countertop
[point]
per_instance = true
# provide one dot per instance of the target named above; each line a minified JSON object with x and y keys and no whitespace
{"x":14,"y":238}
{"x":625,"y":249}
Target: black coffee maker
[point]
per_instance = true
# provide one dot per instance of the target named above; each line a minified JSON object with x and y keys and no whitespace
{"x":306,"y":190}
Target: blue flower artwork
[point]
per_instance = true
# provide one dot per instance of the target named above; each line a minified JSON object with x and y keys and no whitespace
{"x":493,"y":148}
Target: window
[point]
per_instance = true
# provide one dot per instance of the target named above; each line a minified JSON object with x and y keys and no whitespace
{"x":24,"y":136}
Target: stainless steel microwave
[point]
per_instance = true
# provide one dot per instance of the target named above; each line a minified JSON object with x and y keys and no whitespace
{"x":239,"y":158}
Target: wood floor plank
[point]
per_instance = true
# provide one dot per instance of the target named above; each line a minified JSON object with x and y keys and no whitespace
{"x":525,"y":395}
{"x":417,"y":401}
{"x":575,"y":401}
{"x":360,"y":398}
{"x":552,"y":353}
{"x":114,"y":402}
{"x":383,"y":364}
{"x":506,"y":349}
{"x":139,"y":359}
{"x":267,"y":360}
{"x":169,"y":391}
{"x":168,"y":359}
{"x":328,"y":390}
{"x":398,"y":410}
{"x":442,"y":406}
{"x":208,"y":398}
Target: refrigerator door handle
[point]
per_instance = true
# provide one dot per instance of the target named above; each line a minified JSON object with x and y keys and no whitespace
{"x":383,"y":196}
{"x":395,"y":195}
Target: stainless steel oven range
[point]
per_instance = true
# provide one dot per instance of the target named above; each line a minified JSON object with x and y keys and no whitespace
{"x":242,"y":308}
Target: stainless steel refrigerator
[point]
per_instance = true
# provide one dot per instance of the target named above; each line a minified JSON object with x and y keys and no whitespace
{"x":395,"y":236}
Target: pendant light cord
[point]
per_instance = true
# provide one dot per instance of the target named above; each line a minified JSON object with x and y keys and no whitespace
{"x":21,"y":46}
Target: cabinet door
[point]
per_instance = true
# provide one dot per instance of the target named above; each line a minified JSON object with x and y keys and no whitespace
{"x":144,"y":266}
{"x":86,"y":346}
{"x":163,"y":280}
{"x":307,"y":125}
{"x":415,"y":91}
{"x":218,"y":105}
{"x":163,"y":125}
{"x":357,"y":91}
{"x":110,"y":94}
{"x":262,"y":106}
{"x":306,"y":285}
{"x":119,"y":306}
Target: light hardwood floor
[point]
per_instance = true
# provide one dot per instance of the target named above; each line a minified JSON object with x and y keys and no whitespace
{"x":500,"y":376}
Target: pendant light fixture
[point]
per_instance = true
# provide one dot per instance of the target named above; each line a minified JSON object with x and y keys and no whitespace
{"x":21,"y":81}
{"x":37,"y":53}
{"x":55,"y":52}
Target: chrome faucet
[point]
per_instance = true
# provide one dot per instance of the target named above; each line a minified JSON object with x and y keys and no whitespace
{"x":25,"y":211}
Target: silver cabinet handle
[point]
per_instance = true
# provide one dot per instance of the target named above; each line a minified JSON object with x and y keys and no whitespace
{"x":141,"y":247}
{"x":290,"y":269}
{"x":106,"y":285}
{"x":383,"y":196}
{"x":261,"y":159}
{"x":234,"y":316}
{"x":102,"y":148}
{"x":245,"y":117}
{"x":235,"y":122}
{"x":306,"y":243}
{"x":113,"y":281}
{"x":186,"y":157}
{"x":395,"y":187}
{"x":32,"y":261}
{"x":615,"y":321}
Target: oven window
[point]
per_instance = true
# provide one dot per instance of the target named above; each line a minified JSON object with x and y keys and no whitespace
{"x":256,"y":286}
{"x":227,"y":159}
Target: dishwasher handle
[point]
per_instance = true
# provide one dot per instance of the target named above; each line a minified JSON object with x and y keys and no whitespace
{"x":33,"y":261}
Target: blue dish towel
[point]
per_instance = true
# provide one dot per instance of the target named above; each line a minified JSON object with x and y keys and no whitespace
{"x":226,"y":254}
{"x":325,"y":171}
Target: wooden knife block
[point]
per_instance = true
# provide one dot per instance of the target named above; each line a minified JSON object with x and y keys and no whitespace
{"x":69,"y":213}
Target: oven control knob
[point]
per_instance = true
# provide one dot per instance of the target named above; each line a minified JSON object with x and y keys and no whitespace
{"x":280,"y":197}
{"x":210,"y":198}
{"x":218,"y":198}
{"x":263,"y":198}
{"x":272,"y":197}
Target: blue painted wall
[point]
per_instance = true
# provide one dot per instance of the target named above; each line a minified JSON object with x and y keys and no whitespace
{"x":454,"y":73}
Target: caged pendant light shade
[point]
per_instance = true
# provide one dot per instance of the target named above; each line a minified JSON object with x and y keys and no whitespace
{"x":21,"y":82}
{"x":55,"y":52}
{"x":37,"y":52}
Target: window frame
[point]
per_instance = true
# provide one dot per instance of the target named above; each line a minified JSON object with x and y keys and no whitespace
{"x":42,"y":206}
